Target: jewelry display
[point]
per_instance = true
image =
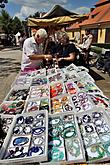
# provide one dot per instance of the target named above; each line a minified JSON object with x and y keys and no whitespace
{"x":21,"y":80}
{"x":59,"y":118}
{"x":61,"y":104}
{"x":95,"y":134}
{"x":40,"y":72}
{"x":39,"y":91}
{"x":73,"y":147}
{"x":63,"y":128}
{"x":82,"y":102}
{"x":91,"y":139}
{"x":56,"y":154}
{"x":39,"y":81}
{"x":71,"y":88}
{"x":29,"y":137}
{"x":100,"y":100}
{"x":17,"y":95}
{"x":5,"y":124}
{"x":107,"y":148}
{"x":51,"y":71}
{"x":12,"y":107}
{"x":105,"y":138}
{"x":56,"y":77}
{"x":35,"y":151}
{"x":96,"y":152}
{"x":56,"y":89}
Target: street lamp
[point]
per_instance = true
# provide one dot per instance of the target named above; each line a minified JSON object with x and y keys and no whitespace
{"x":2,"y":3}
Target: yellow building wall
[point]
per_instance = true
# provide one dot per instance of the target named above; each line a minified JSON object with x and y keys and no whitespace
{"x":101,"y":35}
{"x":70,"y":34}
{"x":82,"y":34}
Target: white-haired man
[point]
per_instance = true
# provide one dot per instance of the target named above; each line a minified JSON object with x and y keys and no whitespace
{"x":33,"y":56}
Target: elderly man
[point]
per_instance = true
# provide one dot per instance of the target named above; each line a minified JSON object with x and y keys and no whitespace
{"x":33,"y":56}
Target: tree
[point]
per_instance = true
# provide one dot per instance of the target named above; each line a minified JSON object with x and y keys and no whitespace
{"x":6,"y":22}
{"x":17,"y":25}
{"x":10,"y":25}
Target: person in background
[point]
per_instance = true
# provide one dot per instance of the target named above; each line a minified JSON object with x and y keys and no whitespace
{"x":21,"y":40}
{"x":86,"y":45}
{"x":33,"y":56}
{"x":65,"y":51}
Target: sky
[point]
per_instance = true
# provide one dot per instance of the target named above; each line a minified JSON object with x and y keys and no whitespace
{"x":23,"y":8}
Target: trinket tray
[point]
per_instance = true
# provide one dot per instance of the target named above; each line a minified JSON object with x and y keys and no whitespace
{"x":82,"y":102}
{"x":39,"y":81}
{"x":61,"y":103}
{"x":36,"y":105}
{"x":37,"y":92}
{"x":51,"y":71}
{"x":7,"y":122}
{"x":82,"y":68}
{"x":26,"y":74}
{"x":100,"y":100}
{"x":40,"y":72}
{"x":71,"y":67}
{"x":95,"y":130}
{"x":71,"y":75}
{"x":57,"y":89}
{"x":17,"y":94}
{"x":12,"y":107}
{"x":92,"y":88}
{"x":28,"y":139}
{"x":80,"y":84}
{"x":85,"y":76}
{"x":56,"y":77}
{"x":71,"y":87}
{"x":64,"y":139}
{"x":21,"y":81}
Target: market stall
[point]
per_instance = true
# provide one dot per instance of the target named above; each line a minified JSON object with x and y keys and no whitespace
{"x":55,"y":116}
{"x":57,"y":18}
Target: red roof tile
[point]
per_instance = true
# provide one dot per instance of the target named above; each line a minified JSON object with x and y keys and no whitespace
{"x":101,"y":14}
{"x":74,"y":26}
{"x":101,"y":1}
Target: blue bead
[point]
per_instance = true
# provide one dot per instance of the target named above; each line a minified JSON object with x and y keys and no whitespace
{"x":20,"y":141}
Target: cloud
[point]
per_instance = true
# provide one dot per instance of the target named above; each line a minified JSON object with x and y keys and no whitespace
{"x":29,"y":7}
{"x":25,"y":12}
{"x":82,"y":10}
{"x":39,"y":5}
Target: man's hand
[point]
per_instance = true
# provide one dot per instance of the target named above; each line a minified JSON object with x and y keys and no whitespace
{"x":48,"y":57}
{"x":60,"y":59}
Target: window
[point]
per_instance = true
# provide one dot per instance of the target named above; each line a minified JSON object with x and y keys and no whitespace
{"x":107,"y":36}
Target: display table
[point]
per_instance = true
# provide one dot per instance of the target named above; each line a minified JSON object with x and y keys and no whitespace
{"x":55,"y":117}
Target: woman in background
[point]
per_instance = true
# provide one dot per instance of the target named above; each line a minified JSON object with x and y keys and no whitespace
{"x":66,"y":52}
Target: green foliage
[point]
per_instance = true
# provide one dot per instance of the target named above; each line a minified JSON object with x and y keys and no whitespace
{"x":10,"y":25}
{"x":102,"y":45}
{"x":96,"y":49}
{"x":6,"y":22}
{"x":17,"y":24}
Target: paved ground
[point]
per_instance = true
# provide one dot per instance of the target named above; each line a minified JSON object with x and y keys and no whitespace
{"x":104,"y":82}
{"x":10,"y":65}
{"x":9,"y":68}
